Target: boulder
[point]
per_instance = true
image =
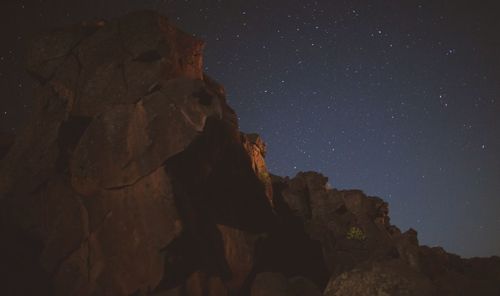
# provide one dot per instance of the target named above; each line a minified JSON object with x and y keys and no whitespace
{"x":389,"y":278}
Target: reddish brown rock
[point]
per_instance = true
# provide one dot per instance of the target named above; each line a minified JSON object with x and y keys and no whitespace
{"x":256,"y":149}
{"x":389,"y":278}
{"x":92,"y":181}
{"x":138,"y":138}
{"x":239,"y":253}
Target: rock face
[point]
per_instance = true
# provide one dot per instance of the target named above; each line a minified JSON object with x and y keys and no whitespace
{"x":132,"y":178}
{"x":380,"y":278}
{"x":276,"y":284}
{"x":118,"y":184}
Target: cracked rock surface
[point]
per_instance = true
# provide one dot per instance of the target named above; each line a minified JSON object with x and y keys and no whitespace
{"x":132,"y":178}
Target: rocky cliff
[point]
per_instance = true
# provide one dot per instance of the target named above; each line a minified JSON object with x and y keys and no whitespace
{"x":132,"y":178}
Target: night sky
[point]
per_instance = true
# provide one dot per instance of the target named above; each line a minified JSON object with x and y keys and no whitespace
{"x":398,"y":98}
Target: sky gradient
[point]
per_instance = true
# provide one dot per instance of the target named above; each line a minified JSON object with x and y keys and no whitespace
{"x":400,"y":100}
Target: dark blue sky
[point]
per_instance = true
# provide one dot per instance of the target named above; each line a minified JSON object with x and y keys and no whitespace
{"x":401,"y":100}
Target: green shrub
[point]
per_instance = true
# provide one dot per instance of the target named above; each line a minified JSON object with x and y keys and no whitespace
{"x":264,"y":177}
{"x":355,"y":233}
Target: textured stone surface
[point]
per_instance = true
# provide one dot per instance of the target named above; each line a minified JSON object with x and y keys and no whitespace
{"x":86,"y":195}
{"x":256,"y":148}
{"x":136,"y":139}
{"x":390,"y":278}
{"x":276,"y":284}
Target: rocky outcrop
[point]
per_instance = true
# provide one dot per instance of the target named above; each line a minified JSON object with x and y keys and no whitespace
{"x":331,"y":216}
{"x":453,"y":275}
{"x":132,"y":178}
{"x":366,"y":255}
{"x":117,"y":184}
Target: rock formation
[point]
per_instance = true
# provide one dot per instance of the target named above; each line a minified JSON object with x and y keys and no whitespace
{"x":132,"y":178}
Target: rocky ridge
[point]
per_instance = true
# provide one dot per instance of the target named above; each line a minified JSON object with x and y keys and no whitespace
{"x":132,"y":178}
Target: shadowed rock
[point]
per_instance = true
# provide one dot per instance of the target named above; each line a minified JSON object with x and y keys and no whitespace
{"x":91,"y":193}
{"x":385,"y":278}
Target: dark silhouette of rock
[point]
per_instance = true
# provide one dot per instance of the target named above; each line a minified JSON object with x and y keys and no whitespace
{"x":132,"y":178}
{"x":276,"y":284}
{"x":270,"y":284}
{"x":299,"y":286}
{"x":453,"y":275}
{"x":381,"y":261}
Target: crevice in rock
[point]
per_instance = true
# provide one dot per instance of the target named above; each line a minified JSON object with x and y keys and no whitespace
{"x":216,"y":172}
{"x":70,"y":133}
{"x":154,"y":88}
{"x":88,"y":31}
{"x":149,"y":56}
{"x":307,"y":198}
{"x":181,"y":260}
{"x":121,"y":66}
{"x":204,"y":97}
{"x":129,"y":184}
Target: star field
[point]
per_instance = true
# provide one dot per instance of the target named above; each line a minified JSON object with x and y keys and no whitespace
{"x":401,"y":100}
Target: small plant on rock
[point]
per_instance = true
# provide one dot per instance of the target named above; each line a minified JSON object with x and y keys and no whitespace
{"x":264,"y":177}
{"x":355,"y":233}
